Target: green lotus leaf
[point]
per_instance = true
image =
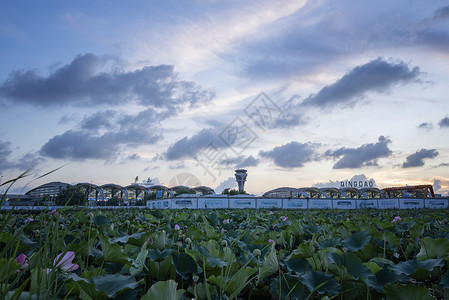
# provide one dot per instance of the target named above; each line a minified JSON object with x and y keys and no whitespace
{"x":112,"y":252}
{"x":332,"y":242}
{"x":305,"y":250}
{"x":269,"y":266}
{"x":184,"y":264}
{"x":164,"y":290}
{"x":299,"y":265}
{"x":139,"y":262}
{"x":382,"y":277}
{"x":352,"y":262}
{"x":321,"y":282}
{"x":433,"y":248}
{"x":101,"y":220}
{"x":291,"y":288}
{"x":158,"y":255}
{"x":406,"y":292}
{"x":419,"y":270}
{"x":124,"y":239}
{"x":357,"y":241}
{"x":445,"y":280}
{"x":111,"y":284}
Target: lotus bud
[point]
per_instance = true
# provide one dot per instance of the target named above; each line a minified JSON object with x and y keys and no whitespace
{"x":179,"y":244}
{"x":257,"y":252}
{"x":224,"y":243}
{"x":188,"y":241}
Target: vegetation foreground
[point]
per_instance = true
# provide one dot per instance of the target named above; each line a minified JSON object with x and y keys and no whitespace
{"x":224,"y":254}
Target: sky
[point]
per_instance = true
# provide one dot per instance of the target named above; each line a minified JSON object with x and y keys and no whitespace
{"x":299,"y":93}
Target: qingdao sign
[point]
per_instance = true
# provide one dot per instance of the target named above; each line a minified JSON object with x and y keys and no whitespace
{"x":357,"y":184}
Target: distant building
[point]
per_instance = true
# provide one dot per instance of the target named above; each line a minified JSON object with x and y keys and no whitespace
{"x":240,"y":176}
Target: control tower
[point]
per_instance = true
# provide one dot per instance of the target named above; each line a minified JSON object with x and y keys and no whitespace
{"x":240,"y":176}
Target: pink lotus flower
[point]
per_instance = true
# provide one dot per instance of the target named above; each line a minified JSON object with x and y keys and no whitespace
{"x":271,"y":213}
{"x":21,"y":259}
{"x":65,"y":263}
{"x":177,"y":227}
{"x":397,"y":218}
{"x":28,"y":220}
{"x":270,"y":241}
{"x":347,"y":219}
{"x":53,"y":212}
{"x":225,"y":221}
{"x":284,"y":218}
{"x":136,"y":219}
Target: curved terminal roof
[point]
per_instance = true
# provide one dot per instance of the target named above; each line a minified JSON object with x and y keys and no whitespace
{"x":52,"y":189}
{"x":47,"y":191}
{"x":204,"y":190}
{"x":330,"y":192}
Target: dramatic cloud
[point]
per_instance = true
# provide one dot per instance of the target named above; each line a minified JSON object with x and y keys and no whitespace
{"x":292,"y":155}
{"x":84,"y":83}
{"x":365,"y":155}
{"x":26,"y":162}
{"x":92,"y":143}
{"x":191,"y":146}
{"x":375,"y":76}
{"x":441,"y":13}
{"x":241,"y":161}
{"x":425,"y":125}
{"x":416,"y":159}
{"x":5,"y":151}
{"x":444,"y":122}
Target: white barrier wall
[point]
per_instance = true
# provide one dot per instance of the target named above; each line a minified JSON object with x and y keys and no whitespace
{"x":411,"y":203}
{"x":269,"y":203}
{"x":344,"y":204}
{"x":213,"y":203}
{"x":242,"y":202}
{"x":181,"y":202}
{"x":320,"y":203}
{"x":294,"y":203}
{"x":366,"y":203}
{"x":436,"y":203}
{"x":388,"y":203}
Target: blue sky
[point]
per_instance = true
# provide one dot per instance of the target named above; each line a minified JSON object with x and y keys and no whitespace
{"x":299,"y":93}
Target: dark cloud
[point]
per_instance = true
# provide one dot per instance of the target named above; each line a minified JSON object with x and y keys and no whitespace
{"x":134,"y":156}
{"x":192,"y":146}
{"x":89,"y":142}
{"x":241,"y":161}
{"x":365,"y":155}
{"x":26,"y":162}
{"x":375,"y":76}
{"x":5,"y":151}
{"x":83,"y":82}
{"x":100,"y":120}
{"x":425,"y":125}
{"x":444,"y":122}
{"x":416,"y":159}
{"x":441,"y":13}
{"x":292,"y":155}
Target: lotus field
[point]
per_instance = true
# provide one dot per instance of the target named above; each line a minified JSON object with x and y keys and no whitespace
{"x":75,"y":253}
